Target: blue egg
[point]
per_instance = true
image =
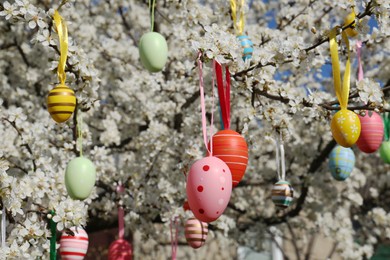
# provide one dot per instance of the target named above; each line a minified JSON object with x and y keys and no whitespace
{"x":341,"y":162}
{"x":247,"y":45}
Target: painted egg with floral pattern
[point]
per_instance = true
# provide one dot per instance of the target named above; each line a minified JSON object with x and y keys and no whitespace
{"x":345,"y":126}
{"x":209,"y":186}
{"x":341,"y":162}
{"x":196,"y":232}
{"x":74,"y":247}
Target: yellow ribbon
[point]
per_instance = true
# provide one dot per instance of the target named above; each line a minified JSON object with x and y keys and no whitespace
{"x":62,"y":31}
{"x":342,"y":91}
{"x":233,"y":6}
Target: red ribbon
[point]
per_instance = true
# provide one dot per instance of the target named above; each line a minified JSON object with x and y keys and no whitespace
{"x":223,"y":93}
{"x":174,"y":236}
{"x":121,"y":213}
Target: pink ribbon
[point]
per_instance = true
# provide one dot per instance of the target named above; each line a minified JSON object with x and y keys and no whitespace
{"x":203,"y":108}
{"x":223,"y":92}
{"x":360,"y":66}
{"x":174,"y":240}
{"x":121,"y":214}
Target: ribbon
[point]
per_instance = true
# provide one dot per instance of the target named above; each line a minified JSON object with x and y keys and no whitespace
{"x":360,"y":66}
{"x":62,"y":31}
{"x":174,"y":240}
{"x":53,"y":238}
{"x":152,"y":4}
{"x":121,"y":215}
{"x":386,"y":122}
{"x":239,"y":27}
{"x":3,"y":226}
{"x":280,"y":162}
{"x":342,"y":91}
{"x":80,"y":134}
{"x":203,"y":108}
{"x":223,"y":93}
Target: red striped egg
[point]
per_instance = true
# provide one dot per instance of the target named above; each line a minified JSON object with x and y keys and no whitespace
{"x":371,"y":134}
{"x":120,"y":249}
{"x":231,"y":147}
{"x":196,"y":232}
{"x":74,"y":247}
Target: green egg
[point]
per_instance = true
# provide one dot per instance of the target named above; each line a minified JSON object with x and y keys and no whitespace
{"x":153,"y":51}
{"x":384,"y":151}
{"x":80,"y":178}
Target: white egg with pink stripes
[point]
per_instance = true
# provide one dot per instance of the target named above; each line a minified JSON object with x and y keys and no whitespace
{"x":74,"y":247}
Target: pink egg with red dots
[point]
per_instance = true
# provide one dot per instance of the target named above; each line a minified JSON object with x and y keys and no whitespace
{"x":209,"y":186}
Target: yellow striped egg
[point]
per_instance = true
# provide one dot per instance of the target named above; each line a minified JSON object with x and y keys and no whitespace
{"x":61,"y":103}
{"x":345,"y":126}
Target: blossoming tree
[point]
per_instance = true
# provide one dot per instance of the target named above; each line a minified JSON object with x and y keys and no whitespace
{"x":143,"y":130}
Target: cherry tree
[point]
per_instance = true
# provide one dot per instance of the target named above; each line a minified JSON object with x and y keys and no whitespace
{"x":142,"y":130}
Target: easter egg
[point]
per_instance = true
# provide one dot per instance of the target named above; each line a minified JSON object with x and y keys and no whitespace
{"x":230,"y":147}
{"x":351,"y":31}
{"x":120,"y":249}
{"x":384,"y":152}
{"x":247,"y":45}
{"x":209,"y":186}
{"x":341,"y":162}
{"x":74,"y":247}
{"x":61,"y":103}
{"x":282,"y":194}
{"x":153,"y":51}
{"x":345,"y":126}
{"x":196,"y":232}
{"x":80,"y":178}
{"x":371,"y":134}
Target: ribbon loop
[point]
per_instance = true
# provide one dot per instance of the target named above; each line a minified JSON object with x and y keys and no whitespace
{"x":53,"y":238}
{"x":203,"y":108}
{"x":62,"y":31}
{"x":121,"y":215}
{"x":360,"y":66}
{"x":174,"y":239}
{"x":223,"y":93}
{"x":342,"y":90}
{"x":239,"y":27}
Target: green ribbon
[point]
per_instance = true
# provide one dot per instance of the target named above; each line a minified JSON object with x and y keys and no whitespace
{"x":152,"y":4}
{"x":386,"y":122}
{"x":53,"y":239}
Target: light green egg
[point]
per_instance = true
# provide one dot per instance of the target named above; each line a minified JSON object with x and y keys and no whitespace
{"x":384,"y":151}
{"x":153,"y":51}
{"x":80,"y":178}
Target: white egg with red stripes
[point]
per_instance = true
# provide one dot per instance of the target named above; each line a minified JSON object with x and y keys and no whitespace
{"x":74,"y":246}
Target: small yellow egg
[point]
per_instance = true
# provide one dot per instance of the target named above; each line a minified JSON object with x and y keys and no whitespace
{"x":345,"y":126}
{"x":61,"y":103}
{"x":351,"y":31}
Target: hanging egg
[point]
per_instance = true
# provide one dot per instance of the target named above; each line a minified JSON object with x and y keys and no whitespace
{"x":341,"y":162}
{"x":351,"y":31}
{"x":230,"y":147}
{"x":74,"y":247}
{"x":80,"y":178}
{"x":345,"y":126}
{"x":371,"y":134}
{"x":153,"y":51}
{"x":247,"y":45}
{"x":209,"y":186}
{"x":61,"y":103}
{"x":120,"y":249}
{"x":196,"y":232}
{"x":385,"y":152}
{"x":282,"y":194}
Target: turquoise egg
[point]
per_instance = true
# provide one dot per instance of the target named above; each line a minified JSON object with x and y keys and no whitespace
{"x":247,"y":45}
{"x":341,"y":162}
{"x":80,"y":176}
{"x":153,"y":51}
